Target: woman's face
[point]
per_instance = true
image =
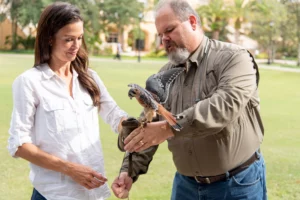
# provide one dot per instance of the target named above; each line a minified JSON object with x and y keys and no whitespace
{"x":66,"y":42}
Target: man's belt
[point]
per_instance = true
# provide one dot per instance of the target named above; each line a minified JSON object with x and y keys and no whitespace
{"x":222,"y":177}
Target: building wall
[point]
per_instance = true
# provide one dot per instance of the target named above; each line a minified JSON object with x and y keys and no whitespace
{"x":6,"y":30}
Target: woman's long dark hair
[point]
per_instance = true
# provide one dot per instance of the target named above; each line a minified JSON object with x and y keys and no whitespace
{"x":53,"y":18}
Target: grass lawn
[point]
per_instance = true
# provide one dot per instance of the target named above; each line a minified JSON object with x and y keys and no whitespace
{"x":280,"y":109}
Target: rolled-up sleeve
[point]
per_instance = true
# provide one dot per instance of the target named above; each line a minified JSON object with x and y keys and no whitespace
{"x":236,"y":85}
{"x":22,"y":119}
{"x":110,"y":112}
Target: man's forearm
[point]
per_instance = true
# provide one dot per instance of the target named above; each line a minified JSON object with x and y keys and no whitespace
{"x":140,"y":162}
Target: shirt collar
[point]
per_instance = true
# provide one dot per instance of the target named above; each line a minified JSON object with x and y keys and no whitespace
{"x":48,"y":73}
{"x":199,"y":53}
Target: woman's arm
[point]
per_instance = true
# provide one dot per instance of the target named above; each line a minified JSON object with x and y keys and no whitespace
{"x":110,"y":112}
{"x":81,"y":174}
{"x":20,"y":142}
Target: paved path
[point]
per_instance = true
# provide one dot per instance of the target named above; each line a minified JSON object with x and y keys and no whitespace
{"x":278,"y":68}
{"x":261,"y":63}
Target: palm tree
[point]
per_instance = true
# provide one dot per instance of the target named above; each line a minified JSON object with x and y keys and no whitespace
{"x":240,"y":13}
{"x":215,"y":14}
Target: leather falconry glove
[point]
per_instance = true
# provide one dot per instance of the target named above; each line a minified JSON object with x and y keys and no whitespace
{"x":128,"y":126}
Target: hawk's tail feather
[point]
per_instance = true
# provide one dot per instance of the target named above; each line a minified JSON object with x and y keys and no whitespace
{"x":170,"y":118}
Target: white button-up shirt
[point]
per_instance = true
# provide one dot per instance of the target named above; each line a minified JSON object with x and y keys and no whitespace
{"x":46,"y":115}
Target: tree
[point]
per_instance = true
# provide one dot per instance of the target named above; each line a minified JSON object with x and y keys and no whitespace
{"x":22,"y":13}
{"x":3,"y":9}
{"x":267,"y":26}
{"x":216,"y":15}
{"x":293,"y":7}
{"x":90,"y":11}
{"x":121,"y":13}
{"x":240,"y":11}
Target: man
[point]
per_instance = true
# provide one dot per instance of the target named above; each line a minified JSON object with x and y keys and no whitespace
{"x":119,"y":51}
{"x":216,"y":101}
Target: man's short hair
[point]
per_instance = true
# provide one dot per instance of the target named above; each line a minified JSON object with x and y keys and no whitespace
{"x":181,"y":8}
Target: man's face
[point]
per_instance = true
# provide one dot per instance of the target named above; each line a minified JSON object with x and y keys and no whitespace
{"x":174,"y":34}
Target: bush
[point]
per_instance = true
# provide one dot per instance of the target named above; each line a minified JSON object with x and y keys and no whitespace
{"x":262,"y":55}
{"x":160,"y":53}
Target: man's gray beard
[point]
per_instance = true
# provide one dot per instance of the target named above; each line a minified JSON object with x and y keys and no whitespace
{"x":180,"y":56}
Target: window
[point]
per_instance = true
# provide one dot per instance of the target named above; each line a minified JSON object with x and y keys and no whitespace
{"x":112,"y":38}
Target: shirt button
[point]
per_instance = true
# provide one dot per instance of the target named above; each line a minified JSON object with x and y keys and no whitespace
{"x":190,"y":152}
{"x":186,"y":84}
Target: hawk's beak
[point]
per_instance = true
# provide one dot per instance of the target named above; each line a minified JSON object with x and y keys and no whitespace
{"x":131,"y":93}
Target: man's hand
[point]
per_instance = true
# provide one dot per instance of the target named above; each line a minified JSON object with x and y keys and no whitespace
{"x":84,"y":175}
{"x":153,"y":134}
{"x":122,"y":185}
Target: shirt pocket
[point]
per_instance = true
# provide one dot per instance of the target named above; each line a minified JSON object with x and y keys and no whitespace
{"x":54,"y":115}
{"x":90,"y":112}
{"x":210,"y":84}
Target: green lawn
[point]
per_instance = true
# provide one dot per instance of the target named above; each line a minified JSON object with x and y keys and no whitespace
{"x":280,"y":108}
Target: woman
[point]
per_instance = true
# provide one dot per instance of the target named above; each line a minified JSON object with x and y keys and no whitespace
{"x":54,"y":122}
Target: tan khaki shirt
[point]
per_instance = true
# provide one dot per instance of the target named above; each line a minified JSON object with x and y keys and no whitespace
{"x":217,"y":101}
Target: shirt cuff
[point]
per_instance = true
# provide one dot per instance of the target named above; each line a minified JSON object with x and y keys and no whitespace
{"x":184,"y":119}
{"x":14,"y":142}
{"x":116,"y":125}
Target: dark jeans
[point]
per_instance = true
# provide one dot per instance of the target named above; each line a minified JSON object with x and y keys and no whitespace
{"x":36,"y":195}
{"x":248,"y":184}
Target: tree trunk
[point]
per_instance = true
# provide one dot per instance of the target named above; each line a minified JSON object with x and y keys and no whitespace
{"x":14,"y":34}
{"x":237,"y":27}
{"x":273,"y":53}
{"x":215,"y":35}
{"x":298,"y":32}
{"x":121,"y":36}
{"x":298,"y":63}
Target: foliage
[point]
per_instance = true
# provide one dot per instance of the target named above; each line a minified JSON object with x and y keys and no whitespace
{"x":293,"y":7}
{"x":240,"y":11}
{"x":3,"y":5}
{"x":266,"y":25}
{"x":29,"y":11}
{"x":23,"y":12}
{"x":27,"y":42}
{"x":89,"y":10}
{"x":261,"y":56}
{"x":216,"y":16}
{"x":104,"y":51}
{"x":121,"y":13}
{"x":159,"y":53}
{"x":136,"y":33}
{"x":101,"y":15}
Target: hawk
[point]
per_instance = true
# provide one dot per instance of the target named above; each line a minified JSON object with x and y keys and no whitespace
{"x":156,"y":94}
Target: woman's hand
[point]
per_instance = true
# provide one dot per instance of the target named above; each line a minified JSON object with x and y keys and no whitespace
{"x":84,"y":175}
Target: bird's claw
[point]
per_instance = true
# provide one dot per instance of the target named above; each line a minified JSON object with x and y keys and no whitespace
{"x":144,"y":124}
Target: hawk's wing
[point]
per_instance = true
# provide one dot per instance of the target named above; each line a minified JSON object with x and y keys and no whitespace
{"x":159,"y":84}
